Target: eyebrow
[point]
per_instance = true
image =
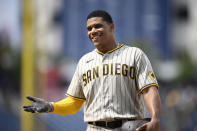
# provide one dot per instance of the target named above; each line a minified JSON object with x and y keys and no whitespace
{"x":97,"y":24}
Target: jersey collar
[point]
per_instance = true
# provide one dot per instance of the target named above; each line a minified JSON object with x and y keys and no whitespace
{"x":110,"y":51}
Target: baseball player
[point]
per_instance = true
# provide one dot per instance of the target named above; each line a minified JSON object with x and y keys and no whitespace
{"x":114,"y":81}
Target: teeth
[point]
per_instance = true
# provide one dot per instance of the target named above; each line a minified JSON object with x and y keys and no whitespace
{"x":96,"y":36}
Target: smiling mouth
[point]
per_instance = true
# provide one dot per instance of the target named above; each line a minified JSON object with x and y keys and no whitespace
{"x":96,"y":37}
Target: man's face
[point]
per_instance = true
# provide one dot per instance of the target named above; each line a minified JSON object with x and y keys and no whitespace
{"x":99,"y":31}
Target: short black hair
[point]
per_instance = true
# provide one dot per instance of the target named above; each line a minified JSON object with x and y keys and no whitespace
{"x":101,"y":13}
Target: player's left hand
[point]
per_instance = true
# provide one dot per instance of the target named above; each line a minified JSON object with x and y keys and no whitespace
{"x":153,"y":125}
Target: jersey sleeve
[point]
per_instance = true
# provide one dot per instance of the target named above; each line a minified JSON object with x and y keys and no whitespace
{"x":75,"y":88}
{"x":145,"y":76}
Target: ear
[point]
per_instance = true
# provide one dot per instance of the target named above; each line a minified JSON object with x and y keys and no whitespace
{"x":112,"y":27}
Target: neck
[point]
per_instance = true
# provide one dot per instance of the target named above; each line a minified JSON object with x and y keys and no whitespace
{"x":104,"y":48}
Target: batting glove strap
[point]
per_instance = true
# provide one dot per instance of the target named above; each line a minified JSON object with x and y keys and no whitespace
{"x":51,"y":107}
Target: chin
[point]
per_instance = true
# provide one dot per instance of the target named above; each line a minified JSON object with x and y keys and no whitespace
{"x":97,"y":44}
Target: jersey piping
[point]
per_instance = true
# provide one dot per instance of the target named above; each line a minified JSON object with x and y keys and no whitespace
{"x":140,"y":91}
{"x":75,"y":97}
{"x":119,"y":46}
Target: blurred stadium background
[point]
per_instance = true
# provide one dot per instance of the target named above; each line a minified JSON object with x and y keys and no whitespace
{"x":42,"y":40}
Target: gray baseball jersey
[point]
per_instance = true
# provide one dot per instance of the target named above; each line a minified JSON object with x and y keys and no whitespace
{"x":111,"y":83}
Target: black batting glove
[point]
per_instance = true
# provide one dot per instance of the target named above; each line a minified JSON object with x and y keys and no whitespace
{"x":38,"y":106}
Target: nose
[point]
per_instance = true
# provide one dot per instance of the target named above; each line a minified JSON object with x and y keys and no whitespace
{"x":93,"y":31}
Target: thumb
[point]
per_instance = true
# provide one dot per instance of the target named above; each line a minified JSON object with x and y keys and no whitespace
{"x":31,"y":98}
{"x":141,"y":128}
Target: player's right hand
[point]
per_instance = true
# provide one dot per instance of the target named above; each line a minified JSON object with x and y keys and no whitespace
{"x":38,"y":106}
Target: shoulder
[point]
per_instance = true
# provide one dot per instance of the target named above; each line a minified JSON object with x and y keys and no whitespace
{"x":135,"y":50}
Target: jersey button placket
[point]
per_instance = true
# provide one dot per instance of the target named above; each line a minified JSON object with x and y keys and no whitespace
{"x":103,"y":83}
{"x":104,"y":57}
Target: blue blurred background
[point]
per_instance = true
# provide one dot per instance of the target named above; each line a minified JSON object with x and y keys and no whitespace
{"x":165,"y":29}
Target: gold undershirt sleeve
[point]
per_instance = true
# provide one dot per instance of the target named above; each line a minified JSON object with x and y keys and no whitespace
{"x":67,"y":106}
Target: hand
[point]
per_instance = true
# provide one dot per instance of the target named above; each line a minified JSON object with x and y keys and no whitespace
{"x":153,"y":125}
{"x":38,"y":106}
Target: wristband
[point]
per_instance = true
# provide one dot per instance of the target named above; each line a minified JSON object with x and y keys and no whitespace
{"x":51,"y":107}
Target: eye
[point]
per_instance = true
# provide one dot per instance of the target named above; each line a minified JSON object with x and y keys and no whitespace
{"x":98,"y":26}
{"x":89,"y":28}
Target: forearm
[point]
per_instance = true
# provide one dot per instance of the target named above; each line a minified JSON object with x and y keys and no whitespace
{"x":67,"y":106}
{"x":152,"y":101}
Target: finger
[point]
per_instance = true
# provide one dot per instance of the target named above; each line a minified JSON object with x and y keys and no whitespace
{"x":35,"y":110}
{"x":31,"y":98}
{"x":27,"y":106}
{"x":141,"y":128}
{"x":29,"y":110}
